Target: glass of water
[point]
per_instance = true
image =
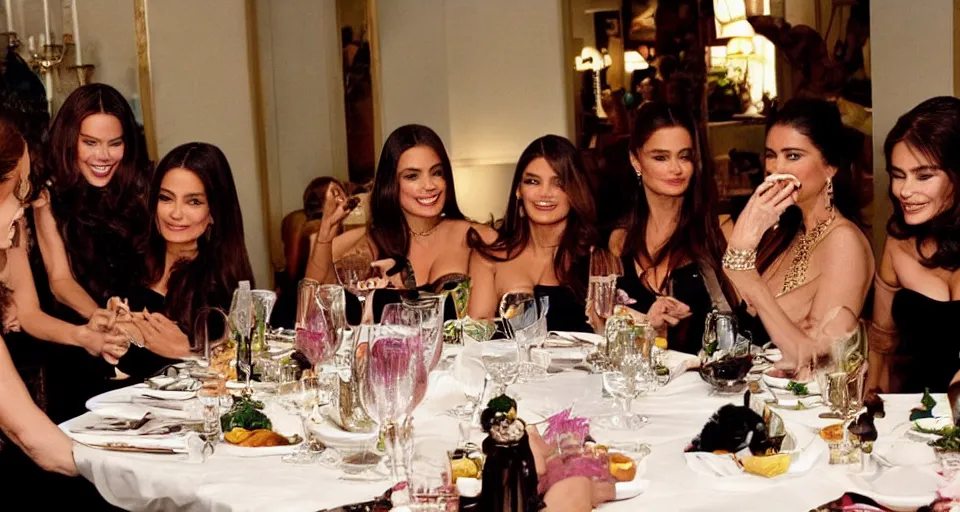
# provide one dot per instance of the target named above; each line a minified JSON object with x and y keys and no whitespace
{"x":501,"y":360}
{"x":430,"y":480}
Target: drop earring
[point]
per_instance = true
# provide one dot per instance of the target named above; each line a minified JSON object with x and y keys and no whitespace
{"x":829,"y":194}
{"x":520,"y":208}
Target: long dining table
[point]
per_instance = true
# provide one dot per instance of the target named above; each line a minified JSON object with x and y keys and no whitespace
{"x":676,"y":413}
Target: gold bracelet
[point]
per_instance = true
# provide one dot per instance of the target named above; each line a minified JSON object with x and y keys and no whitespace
{"x":740,"y":259}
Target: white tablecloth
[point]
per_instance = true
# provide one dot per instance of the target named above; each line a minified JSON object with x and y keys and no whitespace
{"x":676,"y":412}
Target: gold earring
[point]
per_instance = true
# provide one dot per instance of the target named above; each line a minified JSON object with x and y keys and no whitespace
{"x":829,"y":194}
{"x":520,"y":208}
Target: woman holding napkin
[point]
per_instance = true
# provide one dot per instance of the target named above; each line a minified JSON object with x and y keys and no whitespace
{"x":796,"y":251}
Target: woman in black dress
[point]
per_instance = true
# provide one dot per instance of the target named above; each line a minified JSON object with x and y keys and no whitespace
{"x":196,"y":255}
{"x":672,"y":247}
{"x":414,"y":217}
{"x":917,"y":285}
{"x":543,"y":245}
{"x":87,"y":223}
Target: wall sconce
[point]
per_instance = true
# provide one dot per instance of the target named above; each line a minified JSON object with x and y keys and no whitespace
{"x":633,"y":61}
{"x":592,"y":60}
{"x":731,"y":19}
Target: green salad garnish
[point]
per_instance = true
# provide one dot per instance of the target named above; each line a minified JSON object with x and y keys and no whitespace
{"x":245,"y":413}
{"x":798,"y":388}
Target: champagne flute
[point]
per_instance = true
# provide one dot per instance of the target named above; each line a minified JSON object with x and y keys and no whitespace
{"x":241,"y":323}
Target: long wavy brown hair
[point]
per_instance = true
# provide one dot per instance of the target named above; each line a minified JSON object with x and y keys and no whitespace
{"x":697,"y":236}
{"x":573,"y":254}
{"x":101,"y":227}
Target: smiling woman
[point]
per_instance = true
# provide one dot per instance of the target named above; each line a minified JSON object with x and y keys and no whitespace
{"x":918,"y":283}
{"x":413,"y":217}
{"x":544,"y":243}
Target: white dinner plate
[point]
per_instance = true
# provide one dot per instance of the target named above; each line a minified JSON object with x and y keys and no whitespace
{"x":782,"y":382}
{"x":904,"y":452}
{"x":900,"y":488}
{"x":332,"y":435}
{"x":635,"y":487}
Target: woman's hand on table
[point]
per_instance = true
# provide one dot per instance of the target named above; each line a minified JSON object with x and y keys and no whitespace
{"x":161,"y":335}
{"x":575,"y":494}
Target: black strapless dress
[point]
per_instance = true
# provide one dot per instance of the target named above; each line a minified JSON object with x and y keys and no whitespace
{"x":927,"y":341}
{"x":688,"y":287}
{"x":567,"y":312}
{"x":381,"y":298}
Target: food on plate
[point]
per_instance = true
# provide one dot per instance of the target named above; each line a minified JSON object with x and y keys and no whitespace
{"x":622,"y":468}
{"x":767,"y":465}
{"x":949,"y":440}
{"x":464,"y":468}
{"x":798,"y":388}
{"x":927,"y":403}
{"x":245,"y":413}
{"x":259,"y":438}
{"x":832,"y":433}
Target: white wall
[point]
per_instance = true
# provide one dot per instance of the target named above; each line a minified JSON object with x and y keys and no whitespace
{"x":912,"y":60}
{"x":302,"y":83}
{"x":488,"y":76}
{"x":201,"y":85}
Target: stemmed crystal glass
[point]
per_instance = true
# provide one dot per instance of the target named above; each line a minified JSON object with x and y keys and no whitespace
{"x":395,"y":372}
{"x":212,"y":352}
{"x":525,"y":321}
{"x":604,"y":271}
{"x":501,"y":360}
{"x":625,"y":379}
{"x":839,"y":366}
{"x":352,"y":270}
{"x":305,"y":399}
{"x":241,"y":323}
{"x":320,"y":321}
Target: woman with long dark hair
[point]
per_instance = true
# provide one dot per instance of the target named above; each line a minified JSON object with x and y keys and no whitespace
{"x":816,"y":259}
{"x":414,"y":217}
{"x":543,"y":245}
{"x":196,"y":256}
{"x":672,"y":248}
{"x":96,"y":171}
{"x":916,"y":297}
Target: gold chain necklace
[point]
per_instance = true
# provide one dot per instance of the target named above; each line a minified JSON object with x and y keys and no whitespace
{"x":806,"y":242}
{"x":427,"y":232}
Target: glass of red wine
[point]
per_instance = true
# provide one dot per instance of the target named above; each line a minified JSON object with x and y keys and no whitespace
{"x":320,"y":321}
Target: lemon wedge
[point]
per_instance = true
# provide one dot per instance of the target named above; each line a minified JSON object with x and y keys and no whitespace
{"x":661,"y":343}
{"x":767,"y":465}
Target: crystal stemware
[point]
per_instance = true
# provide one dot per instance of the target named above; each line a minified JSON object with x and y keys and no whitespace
{"x":604,"y":271}
{"x":501,"y":360}
{"x":241,"y":323}
{"x":525,"y":321}
{"x":320,"y":320}
{"x":394,"y":370}
{"x":352,"y":270}
{"x":213,"y":352}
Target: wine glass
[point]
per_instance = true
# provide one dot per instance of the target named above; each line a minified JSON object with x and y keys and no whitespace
{"x":304,"y":400}
{"x":429,"y":308}
{"x":501,"y":360}
{"x":624,"y":380}
{"x":393,"y":371}
{"x":352,"y":270}
{"x":241,"y":323}
{"x":839,"y":365}
{"x":525,"y":321}
{"x":602,"y":292}
{"x":213,"y":353}
{"x":319,"y":313}
{"x":263,"y":301}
